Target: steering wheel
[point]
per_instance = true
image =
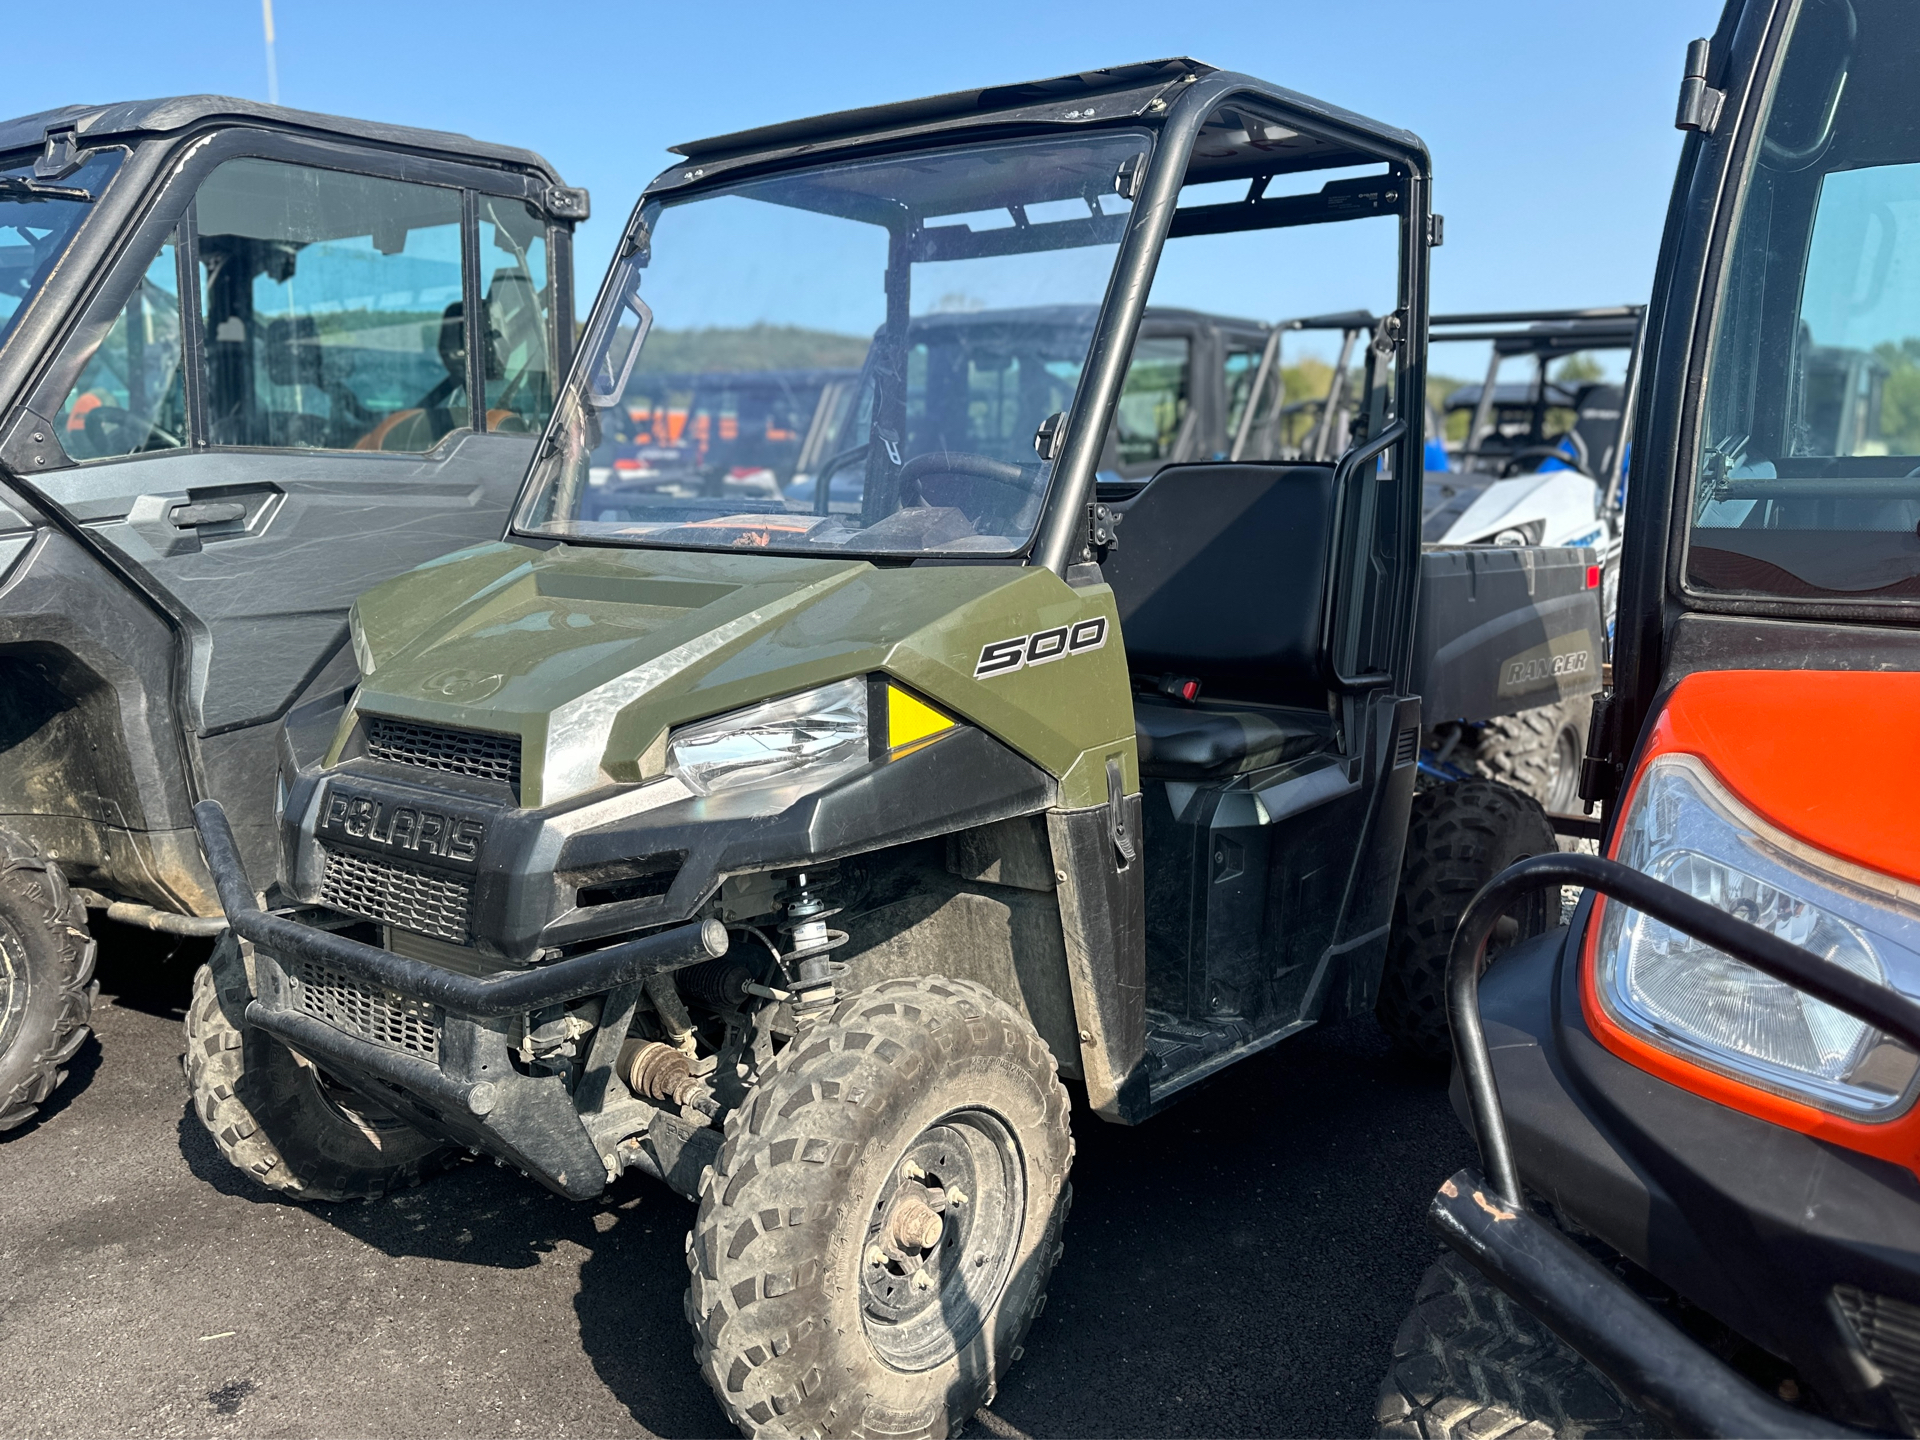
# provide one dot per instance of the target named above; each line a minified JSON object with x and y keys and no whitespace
{"x":109,"y":428}
{"x":1517,"y":463}
{"x":962,"y":464}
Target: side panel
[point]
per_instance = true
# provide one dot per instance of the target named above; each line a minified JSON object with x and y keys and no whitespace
{"x":1103,"y":914}
{"x":90,"y":764}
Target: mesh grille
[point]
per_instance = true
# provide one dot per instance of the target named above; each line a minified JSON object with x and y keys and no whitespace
{"x":412,"y":899}
{"x":368,"y":1011}
{"x":1889,"y":1331}
{"x":476,"y":753}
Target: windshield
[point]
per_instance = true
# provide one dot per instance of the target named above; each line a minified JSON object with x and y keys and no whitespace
{"x":855,"y":358}
{"x":1808,"y":485}
{"x":37,"y":220}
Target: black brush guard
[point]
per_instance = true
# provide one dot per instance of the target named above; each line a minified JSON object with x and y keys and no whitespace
{"x":542,"y":1132}
{"x":1482,"y":1215}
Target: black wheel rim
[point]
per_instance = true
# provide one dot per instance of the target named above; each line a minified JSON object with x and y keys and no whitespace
{"x":15,"y":987}
{"x":924,"y":1297}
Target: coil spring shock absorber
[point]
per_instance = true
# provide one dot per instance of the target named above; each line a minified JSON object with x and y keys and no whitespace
{"x":809,"y":942}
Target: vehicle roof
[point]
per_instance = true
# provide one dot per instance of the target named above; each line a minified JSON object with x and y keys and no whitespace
{"x":135,"y":119}
{"x":1118,"y":93}
{"x":1150,"y":76}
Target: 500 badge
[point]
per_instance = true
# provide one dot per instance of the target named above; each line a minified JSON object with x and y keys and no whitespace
{"x":1017,"y":652}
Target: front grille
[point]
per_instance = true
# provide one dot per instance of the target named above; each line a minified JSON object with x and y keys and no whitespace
{"x":365,"y":1010}
{"x":1889,"y":1333}
{"x":476,"y":753}
{"x":427,"y":904}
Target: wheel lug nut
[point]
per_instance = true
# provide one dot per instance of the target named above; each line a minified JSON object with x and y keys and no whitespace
{"x":913,"y":1171}
{"x":922,"y":1281}
{"x":956,"y":1196}
{"x":876,"y":1256}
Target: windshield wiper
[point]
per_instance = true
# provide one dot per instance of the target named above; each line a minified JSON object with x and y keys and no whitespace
{"x":25,"y":187}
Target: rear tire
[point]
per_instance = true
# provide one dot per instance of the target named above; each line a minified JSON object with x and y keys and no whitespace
{"x":1459,"y":836}
{"x":1468,"y":1362}
{"x":47,"y":987}
{"x":1536,"y":752}
{"x":283,"y":1121}
{"x":804,"y":1301}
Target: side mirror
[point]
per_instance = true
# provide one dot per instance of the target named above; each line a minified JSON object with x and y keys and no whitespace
{"x":1046,"y":440}
{"x":607,"y":380}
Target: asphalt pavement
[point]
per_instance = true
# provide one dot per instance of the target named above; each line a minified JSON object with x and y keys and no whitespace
{"x":1238,"y":1266}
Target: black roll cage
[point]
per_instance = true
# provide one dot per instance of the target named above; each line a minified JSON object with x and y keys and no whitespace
{"x":1174,"y":103}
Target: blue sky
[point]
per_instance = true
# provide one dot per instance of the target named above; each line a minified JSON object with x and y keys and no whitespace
{"x":1551,"y":124}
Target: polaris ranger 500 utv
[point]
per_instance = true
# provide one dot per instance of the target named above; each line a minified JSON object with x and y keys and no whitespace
{"x":791,"y":848}
{"x":236,"y":389}
{"x":1709,"y":1080}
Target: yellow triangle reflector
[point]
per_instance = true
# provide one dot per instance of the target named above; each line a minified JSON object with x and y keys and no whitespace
{"x":910,"y":720}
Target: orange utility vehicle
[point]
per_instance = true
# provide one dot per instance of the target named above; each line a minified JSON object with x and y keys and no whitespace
{"x":1696,"y":1105}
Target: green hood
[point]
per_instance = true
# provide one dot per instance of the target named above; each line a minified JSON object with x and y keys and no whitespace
{"x":591,"y":654}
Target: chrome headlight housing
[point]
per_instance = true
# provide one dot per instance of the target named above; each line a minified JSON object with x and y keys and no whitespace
{"x":806,"y":738}
{"x":1685,"y":829}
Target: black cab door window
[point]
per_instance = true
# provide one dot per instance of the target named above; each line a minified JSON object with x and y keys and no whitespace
{"x":332,"y":307}
{"x":130,"y":397}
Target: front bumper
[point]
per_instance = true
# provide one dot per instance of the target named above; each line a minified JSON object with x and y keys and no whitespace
{"x":436,"y":1045}
{"x":458,"y":860}
{"x":1786,"y":1240}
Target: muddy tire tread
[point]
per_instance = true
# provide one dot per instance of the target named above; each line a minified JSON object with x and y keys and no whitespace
{"x":1469,"y":1364}
{"x":1459,"y":836}
{"x":217,"y":1041}
{"x":755,"y":1297}
{"x":39,"y":889}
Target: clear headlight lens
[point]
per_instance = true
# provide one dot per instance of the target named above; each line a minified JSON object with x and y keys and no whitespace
{"x":1686,"y":830}
{"x":805,"y":736}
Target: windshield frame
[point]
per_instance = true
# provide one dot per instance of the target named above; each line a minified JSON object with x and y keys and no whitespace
{"x":610,"y":303}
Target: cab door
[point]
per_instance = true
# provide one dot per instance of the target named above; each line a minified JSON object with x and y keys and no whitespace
{"x":312,"y":368}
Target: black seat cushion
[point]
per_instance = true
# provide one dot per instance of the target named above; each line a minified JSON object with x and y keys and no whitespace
{"x":1188,"y":742}
{"x":1221,"y":574}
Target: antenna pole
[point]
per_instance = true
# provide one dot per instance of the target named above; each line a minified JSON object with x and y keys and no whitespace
{"x":273,"y":71}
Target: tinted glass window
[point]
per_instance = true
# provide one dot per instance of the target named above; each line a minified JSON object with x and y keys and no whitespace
{"x":1243,"y":366}
{"x":129,"y":398}
{"x":1154,"y":403}
{"x":332,"y":307}
{"x":519,"y":308}
{"x":1809,"y":478}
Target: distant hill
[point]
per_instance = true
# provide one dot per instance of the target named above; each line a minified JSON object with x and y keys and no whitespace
{"x":756,"y":347}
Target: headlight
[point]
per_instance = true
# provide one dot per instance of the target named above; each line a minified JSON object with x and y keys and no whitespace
{"x":803,"y":736}
{"x":1685,"y":829}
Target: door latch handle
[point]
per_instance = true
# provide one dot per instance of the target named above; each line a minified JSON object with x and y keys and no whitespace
{"x":207,"y":512}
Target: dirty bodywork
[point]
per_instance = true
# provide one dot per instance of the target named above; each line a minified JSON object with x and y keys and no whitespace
{"x":187,"y":440}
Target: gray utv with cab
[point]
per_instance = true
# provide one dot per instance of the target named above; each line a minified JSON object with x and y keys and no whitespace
{"x":239,"y":383}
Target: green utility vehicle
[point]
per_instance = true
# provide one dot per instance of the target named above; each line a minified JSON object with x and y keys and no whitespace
{"x":793,"y":848}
